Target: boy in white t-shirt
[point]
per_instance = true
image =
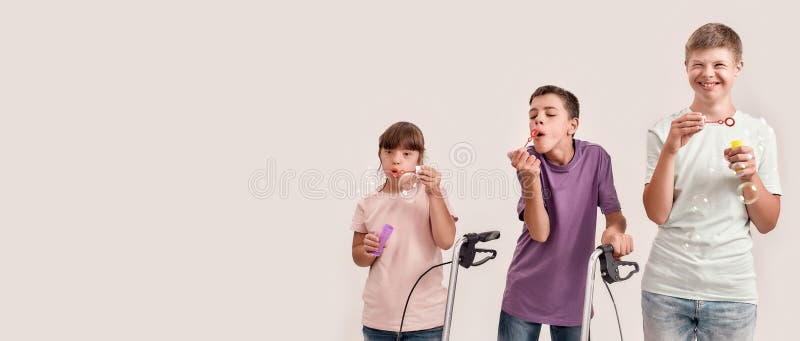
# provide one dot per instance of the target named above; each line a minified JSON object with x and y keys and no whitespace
{"x":700,"y":279}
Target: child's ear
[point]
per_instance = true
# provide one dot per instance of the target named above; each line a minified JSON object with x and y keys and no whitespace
{"x":573,"y":126}
{"x":739,"y":67}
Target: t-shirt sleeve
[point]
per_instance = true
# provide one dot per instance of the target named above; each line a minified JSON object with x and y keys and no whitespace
{"x":654,"y":145}
{"x":607,"y":198}
{"x":359,"y":218}
{"x":768,"y":162}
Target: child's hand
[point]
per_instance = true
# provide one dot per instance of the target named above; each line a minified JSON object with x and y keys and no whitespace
{"x":526,"y":164}
{"x":742,"y":161}
{"x":431,"y":178}
{"x":622,"y":243}
{"x":371,"y":243}
{"x":682,"y":129}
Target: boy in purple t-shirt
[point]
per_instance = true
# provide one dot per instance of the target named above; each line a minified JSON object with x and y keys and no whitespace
{"x":563,"y":181}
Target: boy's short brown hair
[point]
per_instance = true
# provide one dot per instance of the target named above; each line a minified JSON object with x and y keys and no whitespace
{"x":714,"y":35}
{"x":570,"y":101}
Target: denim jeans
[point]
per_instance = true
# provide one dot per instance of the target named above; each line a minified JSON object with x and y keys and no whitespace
{"x":433,"y":334}
{"x":678,"y":319}
{"x":514,"y":329}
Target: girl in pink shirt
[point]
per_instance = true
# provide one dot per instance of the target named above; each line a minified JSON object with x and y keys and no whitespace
{"x":423,"y":226}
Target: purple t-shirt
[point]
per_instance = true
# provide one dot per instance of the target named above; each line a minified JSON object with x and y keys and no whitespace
{"x":546,"y":281}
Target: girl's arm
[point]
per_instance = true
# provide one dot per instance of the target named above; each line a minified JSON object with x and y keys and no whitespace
{"x":363,"y":244}
{"x":443,"y":225}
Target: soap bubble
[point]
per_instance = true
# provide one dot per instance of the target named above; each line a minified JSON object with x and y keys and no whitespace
{"x":747,"y":193}
{"x":692,"y":242}
{"x":700,"y":204}
{"x":408,"y":185}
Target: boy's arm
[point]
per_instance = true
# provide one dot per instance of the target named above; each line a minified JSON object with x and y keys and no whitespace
{"x":614,"y":234}
{"x":536,"y":218}
{"x":534,"y":214}
{"x":657,"y":195}
{"x":763,"y":212}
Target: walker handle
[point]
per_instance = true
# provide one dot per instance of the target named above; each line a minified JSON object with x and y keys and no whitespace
{"x":466,"y":255}
{"x":487,"y":236}
{"x":609,"y":267}
{"x":492,"y":255}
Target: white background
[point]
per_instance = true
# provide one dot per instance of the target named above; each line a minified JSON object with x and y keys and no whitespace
{"x":130,"y":134}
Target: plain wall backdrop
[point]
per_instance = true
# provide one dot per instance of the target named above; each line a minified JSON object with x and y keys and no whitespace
{"x":176,"y":170}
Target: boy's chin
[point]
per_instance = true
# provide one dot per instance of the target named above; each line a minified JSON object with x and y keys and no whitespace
{"x":546,"y":147}
{"x":542,"y":148}
{"x":715,"y":95}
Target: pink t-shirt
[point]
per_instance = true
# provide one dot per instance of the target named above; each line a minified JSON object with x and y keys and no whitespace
{"x":410,"y":252}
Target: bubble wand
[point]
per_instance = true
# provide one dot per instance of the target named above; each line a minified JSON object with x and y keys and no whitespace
{"x":728,"y":121}
{"x":534,"y":134}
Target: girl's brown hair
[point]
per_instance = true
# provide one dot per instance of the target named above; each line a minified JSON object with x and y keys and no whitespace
{"x":404,"y":135}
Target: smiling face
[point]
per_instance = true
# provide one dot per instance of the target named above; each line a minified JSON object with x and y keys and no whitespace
{"x":552,"y":122}
{"x":712,"y":72}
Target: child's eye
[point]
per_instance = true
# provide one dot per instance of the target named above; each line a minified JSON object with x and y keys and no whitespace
{"x":719,"y":65}
{"x":406,"y":153}
{"x":534,"y":117}
{"x":550,"y":115}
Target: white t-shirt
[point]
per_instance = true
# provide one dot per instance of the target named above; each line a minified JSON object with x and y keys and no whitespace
{"x":703,"y":250}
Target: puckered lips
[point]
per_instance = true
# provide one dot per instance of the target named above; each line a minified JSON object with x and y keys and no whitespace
{"x":396,"y":172}
{"x":537,"y":133}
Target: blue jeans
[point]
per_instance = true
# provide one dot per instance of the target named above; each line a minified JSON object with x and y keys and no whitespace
{"x":677,"y":319}
{"x":514,"y":329}
{"x":433,"y":334}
